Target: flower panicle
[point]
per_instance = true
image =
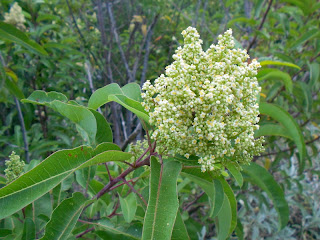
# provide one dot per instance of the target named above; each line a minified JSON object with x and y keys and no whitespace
{"x":206,"y":103}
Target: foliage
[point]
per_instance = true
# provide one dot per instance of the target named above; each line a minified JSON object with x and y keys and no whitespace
{"x":91,"y":169}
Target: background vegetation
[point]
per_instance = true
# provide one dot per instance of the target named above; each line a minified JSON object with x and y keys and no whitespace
{"x":89,"y":44}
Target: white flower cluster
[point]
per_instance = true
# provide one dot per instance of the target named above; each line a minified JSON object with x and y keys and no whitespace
{"x":15,"y":16}
{"x":206,"y":103}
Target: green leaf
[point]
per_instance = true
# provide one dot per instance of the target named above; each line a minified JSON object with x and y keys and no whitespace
{"x":113,"y":92}
{"x":218,"y":198}
{"x":10,"y":33}
{"x":120,"y":232}
{"x":290,"y":125}
{"x":270,"y":62}
{"x":78,"y":114}
{"x":128,"y":207}
{"x":305,"y":37}
{"x":65,"y":217}
{"x":272,"y":129}
{"x":235,"y":173}
{"x":104,"y":133}
{"x":49,"y":173}
{"x":232,"y":202}
{"x":133,"y":91}
{"x":261,"y":177}
{"x":279,"y":75}
{"x":224,"y":219}
{"x":179,"y":230}
{"x":29,"y":229}
{"x":206,"y":185}
{"x":13,"y":88}
{"x":314,"y":74}
{"x":43,"y":98}
{"x":211,"y":186}
{"x":163,"y":200}
{"x":131,"y":105}
{"x":101,"y":95}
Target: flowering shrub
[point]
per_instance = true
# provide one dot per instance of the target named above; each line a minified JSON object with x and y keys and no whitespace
{"x":15,"y":16}
{"x":14,"y":167}
{"x":206,"y":103}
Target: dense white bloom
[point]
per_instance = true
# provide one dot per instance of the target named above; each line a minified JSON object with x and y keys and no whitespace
{"x":206,"y":103}
{"x":15,"y":16}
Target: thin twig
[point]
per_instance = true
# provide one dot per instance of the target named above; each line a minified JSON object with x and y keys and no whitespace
{"x":116,"y":37}
{"x":193,"y":201}
{"x":135,"y":191}
{"x":131,"y":137}
{"x":260,"y":26}
{"x":146,"y":55}
{"x":287,"y":149}
{"x":85,"y":232}
{"x":79,"y":31}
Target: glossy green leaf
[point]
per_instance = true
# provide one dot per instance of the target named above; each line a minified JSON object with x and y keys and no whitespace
{"x":113,"y":92}
{"x":64,"y":217}
{"x":235,"y":173}
{"x":306,"y":37}
{"x":163,"y":200}
{"x":279,"y":75}
{"x":224,"y":219}
{"x":128,"y":207}
{"x":272,"y":129}
{"x":29,"y":229}
{"x":10,"y":33}
{"x":261,"y":177}
{"x":270,"y":62}
{"x":232,"y":202}
{"x":179,"y":230}
{"x":287,"y":121}
{"x":49,"y":173}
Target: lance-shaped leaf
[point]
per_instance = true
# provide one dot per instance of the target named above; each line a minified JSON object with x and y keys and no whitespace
{"x":10,"y":33}
{"x":224,"y":219}
{"x":287,"y":121}
{"x":314,"y":74}
{"x":112,"y":92}
{"x":278,"y":76}
{"x":49,"y":173}
{"x":29,"y":229}
{"x":64,"y":217}
{"x":270,"y":62}
{"x":179,"y":230}
{"x":163,"y":200}
{"x":261,"y":177}
{"x":306,"y":37}
{"x":232,"y":202}
{"x":272,"y":129}
{"x":235,"y":173}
